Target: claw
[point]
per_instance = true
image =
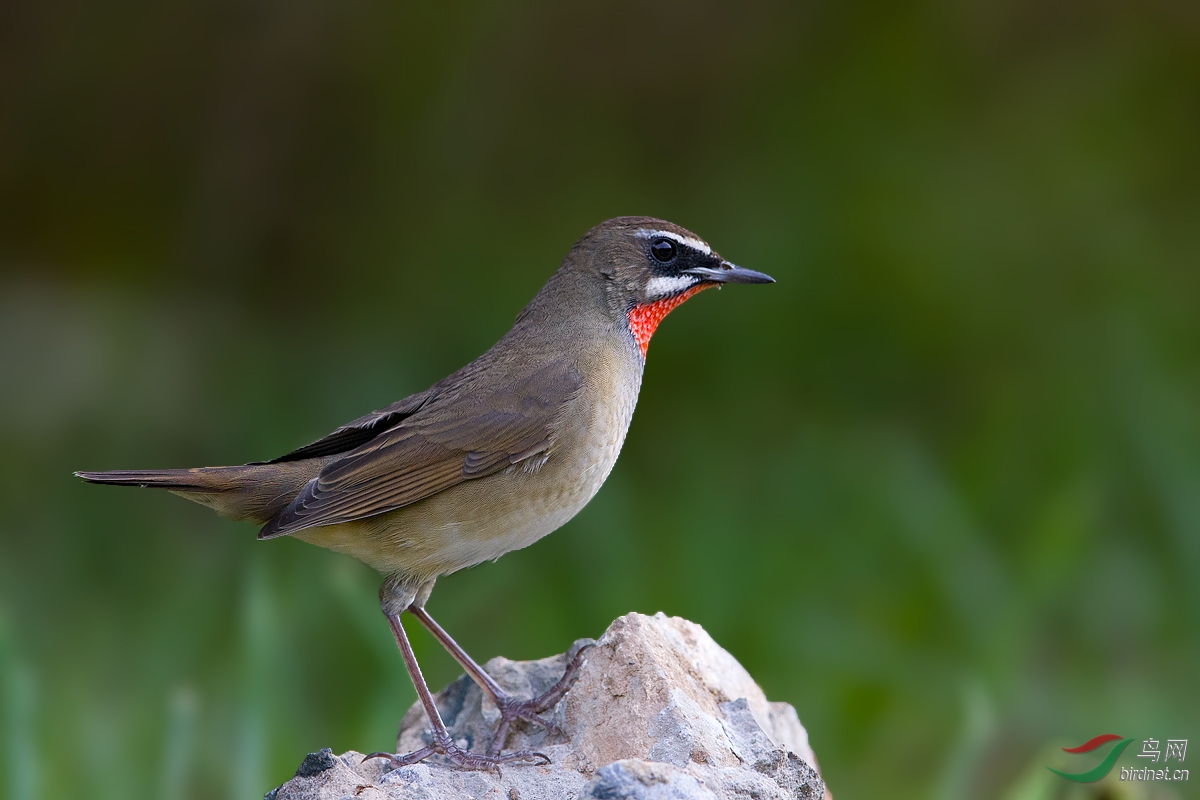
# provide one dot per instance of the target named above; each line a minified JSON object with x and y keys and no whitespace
{"x":407,"y":759}
{"x":462,"y":759}
{"x":529,"y":710}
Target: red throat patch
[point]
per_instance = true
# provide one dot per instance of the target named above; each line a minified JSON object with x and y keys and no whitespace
{"x":643,"y":319}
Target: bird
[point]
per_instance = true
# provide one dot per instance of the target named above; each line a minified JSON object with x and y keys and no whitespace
{"x":485,"y":461}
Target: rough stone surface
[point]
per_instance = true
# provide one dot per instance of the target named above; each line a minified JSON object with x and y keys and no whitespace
{"x":659,"y":712}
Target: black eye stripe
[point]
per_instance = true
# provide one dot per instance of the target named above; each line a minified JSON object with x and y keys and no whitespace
{"x":663,"y":250}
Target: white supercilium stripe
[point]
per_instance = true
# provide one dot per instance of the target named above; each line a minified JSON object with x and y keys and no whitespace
{"x":661,"y":287}
{"x":687,"y":241}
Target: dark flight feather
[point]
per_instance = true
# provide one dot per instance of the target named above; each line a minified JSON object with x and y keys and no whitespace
{"x":356,"y":433}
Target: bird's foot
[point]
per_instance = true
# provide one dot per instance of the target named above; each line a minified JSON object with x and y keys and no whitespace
{"x":460,"y":758}
{"x":530,"y":710}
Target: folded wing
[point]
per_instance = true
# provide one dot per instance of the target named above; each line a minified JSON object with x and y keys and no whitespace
{"x":440,"y":440}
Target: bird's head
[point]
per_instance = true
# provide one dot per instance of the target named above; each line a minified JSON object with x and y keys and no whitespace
{"x":650,"y":266}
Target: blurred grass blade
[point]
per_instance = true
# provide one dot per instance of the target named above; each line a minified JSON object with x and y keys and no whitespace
{"x":17,"y":714}
{"x":180,"y":741}
{"x":258,"y":638}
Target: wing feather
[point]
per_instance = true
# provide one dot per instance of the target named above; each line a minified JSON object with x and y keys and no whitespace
{"x":443,"y":439}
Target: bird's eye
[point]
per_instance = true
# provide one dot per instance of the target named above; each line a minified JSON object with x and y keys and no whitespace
{"x":663,"y":250}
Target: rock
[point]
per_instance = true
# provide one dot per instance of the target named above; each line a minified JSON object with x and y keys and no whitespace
{"x":659,"y":712}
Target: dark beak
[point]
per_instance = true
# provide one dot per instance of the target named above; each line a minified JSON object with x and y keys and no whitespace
{"x":729,"y":273}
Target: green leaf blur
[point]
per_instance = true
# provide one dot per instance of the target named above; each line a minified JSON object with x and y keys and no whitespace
{"x":939,"y":487}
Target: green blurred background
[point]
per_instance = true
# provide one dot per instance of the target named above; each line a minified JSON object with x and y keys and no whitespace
{"x":939,"y":487}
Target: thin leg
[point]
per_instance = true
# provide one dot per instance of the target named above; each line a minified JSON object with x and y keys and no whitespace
{"x":442,"y":743}
{"x":510,"y":708}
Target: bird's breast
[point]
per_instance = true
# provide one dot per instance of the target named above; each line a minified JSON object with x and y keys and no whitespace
{"x":534,"y":497}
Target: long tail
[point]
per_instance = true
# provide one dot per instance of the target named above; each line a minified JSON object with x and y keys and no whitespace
{"x":253,"y":491}
{"x":181,"y":479}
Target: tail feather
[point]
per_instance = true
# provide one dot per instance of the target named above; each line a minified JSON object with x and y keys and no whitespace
{"x":183,"y":479}
{"x":254,"y":491}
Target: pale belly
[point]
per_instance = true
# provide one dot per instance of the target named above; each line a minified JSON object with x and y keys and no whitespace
{"x":482,"y":519}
